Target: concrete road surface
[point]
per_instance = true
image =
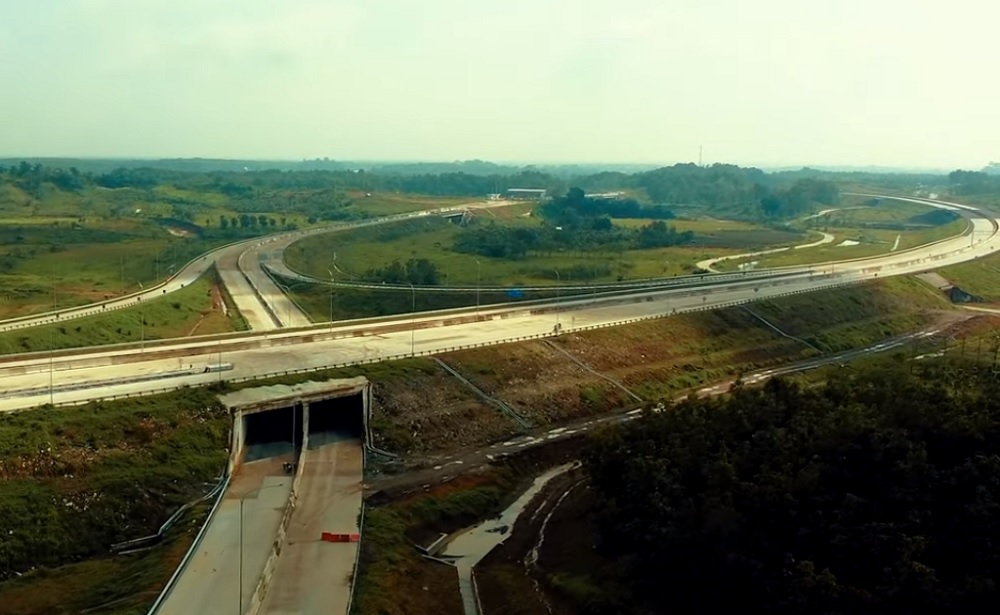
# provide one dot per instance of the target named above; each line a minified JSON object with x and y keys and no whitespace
{"x":313,"y":577}
{"x":210,"y":583}
{"x":283,"y":308}
{"x":249,"y":306}
{"x":266,"y":359}
{"x":182,"y":278}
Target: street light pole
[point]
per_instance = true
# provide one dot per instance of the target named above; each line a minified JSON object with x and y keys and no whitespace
{"x":558,"y":295}
{"x":413,"y":317}
{"x":51,"y":368}
{"x":331,"y":299}
{"x":478,"y":278}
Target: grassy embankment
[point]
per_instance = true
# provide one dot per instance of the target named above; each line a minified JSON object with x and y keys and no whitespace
{"x":980,"y":277}
{"x":195,"y":309}
{"x":75,"y":480}
{"x":420,"y":409}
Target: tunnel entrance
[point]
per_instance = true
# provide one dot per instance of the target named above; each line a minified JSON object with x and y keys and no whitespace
{"x":271,"y":433}
{"x":273,"y":421}
{"x":336,"y":418}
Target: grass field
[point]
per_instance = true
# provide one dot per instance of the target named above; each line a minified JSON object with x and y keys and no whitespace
{"x":123,"y":585}
{"x":363,"y":249}
{"x":195,"y":309}
{"x":75,"y":480}
{"x":63,"y":249}
{"x":980,"y":277}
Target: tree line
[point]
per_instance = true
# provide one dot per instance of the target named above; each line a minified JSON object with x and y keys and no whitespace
{"x":571,"y":222}
{"x":878,"y":492}
{"x":319,"y":189}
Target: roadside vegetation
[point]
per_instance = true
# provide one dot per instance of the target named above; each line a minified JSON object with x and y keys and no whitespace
{"x":194,"y":310}
{"x":393,"y":579}
{"x":980,"y":277}
{"x":75,"y":480}
{"x":134,"y":461}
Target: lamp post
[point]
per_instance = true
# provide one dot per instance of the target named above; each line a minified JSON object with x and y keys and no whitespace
{"x":478,"y":278}
{"x":558,"y":295}
{"x":331,"y":299}
{"x":51,"y":368}
{"x":413,"y":317}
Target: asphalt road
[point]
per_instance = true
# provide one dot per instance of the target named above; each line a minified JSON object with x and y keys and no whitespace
{"x":102,"y":368}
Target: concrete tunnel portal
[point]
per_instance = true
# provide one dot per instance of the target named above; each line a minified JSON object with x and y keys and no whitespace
{"x":279,"y":420}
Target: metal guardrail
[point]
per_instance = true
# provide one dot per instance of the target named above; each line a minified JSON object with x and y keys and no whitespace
{"x":54,"y":315}
{"x":158,"y":536}
{"x":244,"y":336}
{"x":191,"y":551}
{"x":423,"y":353}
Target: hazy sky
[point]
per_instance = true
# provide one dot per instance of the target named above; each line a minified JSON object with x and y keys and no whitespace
{"x":766,"y":82}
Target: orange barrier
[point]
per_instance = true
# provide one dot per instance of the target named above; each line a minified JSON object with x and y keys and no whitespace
{"x":332,"y":537}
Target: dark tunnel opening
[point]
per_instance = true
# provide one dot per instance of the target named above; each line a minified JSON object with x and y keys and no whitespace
{"x":336,"y":418}
{"x":272,"y":433}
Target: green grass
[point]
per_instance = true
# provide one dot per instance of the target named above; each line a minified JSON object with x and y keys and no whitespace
{"x":359,"y":250}
{"x":855,"y":316}
{"x":76,"y":480}
{"x":873,"y":242}
{"x":46,"y":271}
{"x":123,"y":585}
{"x":392,"y":577}
{"x":188,"y":311}
{"x":980,"y":277}
{"x":387,"y":204}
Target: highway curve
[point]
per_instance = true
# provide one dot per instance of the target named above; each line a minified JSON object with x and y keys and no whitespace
{"x":88,"y":374}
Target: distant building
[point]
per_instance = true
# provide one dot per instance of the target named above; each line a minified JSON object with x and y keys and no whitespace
{"x":526,"y":194}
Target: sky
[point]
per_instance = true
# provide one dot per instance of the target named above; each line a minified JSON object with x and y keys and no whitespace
{"x":904,"y":83}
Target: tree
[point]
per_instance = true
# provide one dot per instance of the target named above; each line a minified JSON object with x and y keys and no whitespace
{"x":875,"y":493}
{"x":223,"y":222}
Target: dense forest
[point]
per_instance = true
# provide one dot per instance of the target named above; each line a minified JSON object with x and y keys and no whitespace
{"x":878,"y":492}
